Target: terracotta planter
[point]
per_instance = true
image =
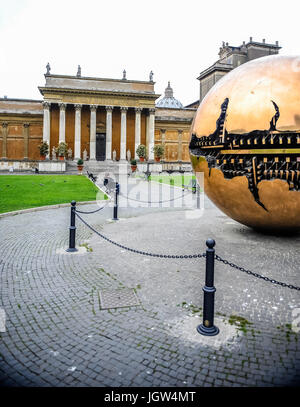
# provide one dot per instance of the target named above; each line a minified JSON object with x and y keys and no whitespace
{"x":61,"y":157}
{"x":157,"y":159}
{"x":42,"y":157}
{"x":80,"y":168}
{"x":142,"y":159}
{"x":133,"y":168}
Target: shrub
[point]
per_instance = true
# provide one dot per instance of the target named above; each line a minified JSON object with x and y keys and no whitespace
{"x":44,"y":148}
{"x":141,"y":151}
{"x":158,"y":150}
{"x":62,"y":149}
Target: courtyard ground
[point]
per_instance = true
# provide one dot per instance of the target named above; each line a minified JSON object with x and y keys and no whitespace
{"x":58,"y":334}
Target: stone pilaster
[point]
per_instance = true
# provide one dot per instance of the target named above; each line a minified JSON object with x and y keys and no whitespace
{"x":123,"y":133}
{"x":179,"y":145}
{"x":137,"y":138}
{"x":77,"y":153}
{"x":109,"y":110}
{"x":26,"y":139}
{"x":162,"y":136}
{"x":151,"y":134}
{"x":4,"y":139}
{"x":62,"y":122}
{"x":46,"y":123}
{"x":93,"y":132}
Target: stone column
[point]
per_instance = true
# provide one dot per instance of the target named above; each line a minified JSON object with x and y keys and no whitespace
{"x":93,"y":132}
{"x":77,"y":153}
{"x":4,"y":139}
{"x":46,"y":124}
{"x":62,"y":122}
{"x":137,"y":138}
{"x":26,"y":139}
{"x":109,"y":110}
{"x":123,"y":133}
{"x":179,"y":145}
{"x":151,"y":134}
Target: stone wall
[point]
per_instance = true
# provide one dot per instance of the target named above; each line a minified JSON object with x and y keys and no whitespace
{"x":43,"y":166}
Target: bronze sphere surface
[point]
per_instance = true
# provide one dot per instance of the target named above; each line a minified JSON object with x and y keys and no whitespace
{"x":245,"y":138}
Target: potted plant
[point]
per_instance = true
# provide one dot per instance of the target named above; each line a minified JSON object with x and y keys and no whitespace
{"x":80,"y":165}
{"x":62,"y":150}
{"x":44,"y":149}
{"x":141,"y":152}
{"x":158,"y":150}
{"x":133,"y":165}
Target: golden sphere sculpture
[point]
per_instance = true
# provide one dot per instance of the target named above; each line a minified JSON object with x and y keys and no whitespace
{"x":245,"y":138}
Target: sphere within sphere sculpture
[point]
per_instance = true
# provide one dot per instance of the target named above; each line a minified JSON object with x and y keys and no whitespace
{"x":245,"y":138}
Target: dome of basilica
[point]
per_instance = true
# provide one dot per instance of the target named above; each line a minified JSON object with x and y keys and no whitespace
{"x":168,"y":100}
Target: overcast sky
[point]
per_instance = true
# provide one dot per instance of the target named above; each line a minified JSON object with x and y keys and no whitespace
{"x":175,"y":39}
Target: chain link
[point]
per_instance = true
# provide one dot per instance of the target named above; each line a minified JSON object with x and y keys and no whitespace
{"x":152,"y":202}
{"x":165,"y":256}
{"x":188,"y":256}
{"x":97,"y":210}
{"x":271,"y":280}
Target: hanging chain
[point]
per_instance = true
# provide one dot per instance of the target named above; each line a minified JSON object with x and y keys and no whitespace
{"x":97,"y":210}
{"x":152,"y":202}
{"x":165,"y":256}
{"x":270,"y":280}
{"x":187,"y":256}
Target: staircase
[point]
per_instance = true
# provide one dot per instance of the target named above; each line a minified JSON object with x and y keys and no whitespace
{"x":115,"y":167}
{"x":96,"y":167}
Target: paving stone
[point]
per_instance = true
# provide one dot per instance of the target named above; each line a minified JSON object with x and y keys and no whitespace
{"x":59,"y":307}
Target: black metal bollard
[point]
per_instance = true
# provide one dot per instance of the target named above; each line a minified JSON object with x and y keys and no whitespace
{"x":117,"y":190}
{"x":207,"y":327}
{"x":72,"y":229}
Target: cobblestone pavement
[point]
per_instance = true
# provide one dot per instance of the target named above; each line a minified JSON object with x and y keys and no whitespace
{"x":57,"y":334}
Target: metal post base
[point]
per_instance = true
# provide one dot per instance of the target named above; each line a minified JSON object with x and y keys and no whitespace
{"x":212,"y":331}
{"x":71,"y":250}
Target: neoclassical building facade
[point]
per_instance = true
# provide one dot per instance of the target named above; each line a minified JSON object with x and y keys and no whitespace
{"x":99,"y":118}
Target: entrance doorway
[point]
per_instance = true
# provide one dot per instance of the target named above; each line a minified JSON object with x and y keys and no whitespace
{"x":100,"y":146}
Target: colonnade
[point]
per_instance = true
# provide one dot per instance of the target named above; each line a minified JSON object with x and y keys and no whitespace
{"x":109,"y":120}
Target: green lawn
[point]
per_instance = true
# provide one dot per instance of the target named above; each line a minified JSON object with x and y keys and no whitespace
{"x":176,"y":180}
{"x":29,"y":191}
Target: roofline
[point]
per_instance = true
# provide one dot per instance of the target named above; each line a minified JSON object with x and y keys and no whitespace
{"x":173,"y":108}
{"x":196,"y":101}
{"x":21,"y":100}
{"x":215,"y":67}
{"x":262,"y":44}
{"x":98,"y":79}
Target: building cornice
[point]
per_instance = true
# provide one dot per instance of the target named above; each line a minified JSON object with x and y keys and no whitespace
{"x":174,"y":119}
{"x":21,"y":117}
{"x":64,"y":91}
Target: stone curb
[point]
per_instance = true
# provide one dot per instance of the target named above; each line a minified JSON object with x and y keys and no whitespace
{"x":44,"y":208}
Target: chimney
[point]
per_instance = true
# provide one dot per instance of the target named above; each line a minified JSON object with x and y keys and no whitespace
{"x":276,"y":43}
{"x":250,"y":39}
{"x":5,"y":96}
{"x":264,"y":41}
